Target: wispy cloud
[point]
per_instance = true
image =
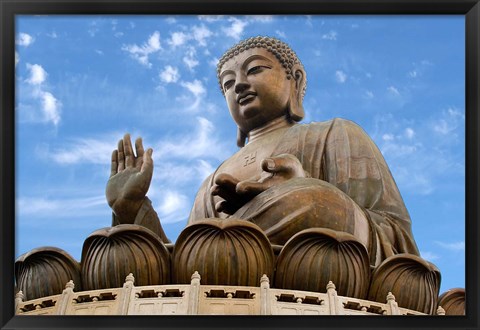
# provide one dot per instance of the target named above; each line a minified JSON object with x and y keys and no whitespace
{"x":141,"y":53}
{"x":453,"y":246}
{"x":61,"y":207}
{"x":177,"y":39}
{"x":201,"y":34}
{"x":190,"y":59}
{"x":430,"y":256}
{"x":340,"y":76}
{"x":79,"y":150}
{"x":173,"y":207}
{"x":451,"y":120}
{"x":24,"y":39}
{"x":235,"y":30}
{"x":37,"y":74}
{"x":169,"y":74}
{"x":393,"y":90}
{"x":49,"y":104}
{"x":331,"y":35}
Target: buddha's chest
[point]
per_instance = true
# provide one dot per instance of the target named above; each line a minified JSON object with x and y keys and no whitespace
{"x":247,"y":162}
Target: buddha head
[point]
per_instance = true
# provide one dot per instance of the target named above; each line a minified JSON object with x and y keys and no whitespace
{"x":262,"y":79}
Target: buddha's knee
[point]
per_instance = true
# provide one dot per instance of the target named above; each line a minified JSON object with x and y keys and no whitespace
{"x":303,"y":203}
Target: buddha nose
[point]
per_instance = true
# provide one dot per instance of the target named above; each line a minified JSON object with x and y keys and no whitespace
{"x":241,"y":84}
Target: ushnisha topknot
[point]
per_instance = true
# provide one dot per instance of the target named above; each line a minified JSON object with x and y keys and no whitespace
{"x":286,"y":56}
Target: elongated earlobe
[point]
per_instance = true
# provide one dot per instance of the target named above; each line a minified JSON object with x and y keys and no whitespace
{"x":241,"y":137}
{"x":295,"y":105}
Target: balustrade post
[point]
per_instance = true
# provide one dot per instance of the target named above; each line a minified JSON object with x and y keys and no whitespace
{"x":392,"y":303}
{"x":194,"y":294}
{"x":125,"y":295}
{"x":265,"y":308}
{"x":18,"y":301}
{"x":333,"y":301}
{"x":65,"y":299}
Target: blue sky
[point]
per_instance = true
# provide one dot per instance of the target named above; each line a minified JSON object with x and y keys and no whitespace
{"x":84,"y":81}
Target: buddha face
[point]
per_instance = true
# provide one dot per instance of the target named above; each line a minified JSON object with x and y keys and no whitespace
{"x":256,"y":88}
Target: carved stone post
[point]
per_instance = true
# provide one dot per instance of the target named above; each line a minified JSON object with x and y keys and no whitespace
{"x":18,"y":301}
{"x":124,"y":299}
{"x":440,"y":311}
{"x":333,"y":299}
{"x":394,"y":310}
{"x":194,"y":294}
{"x":264,"y":296}
{"x":65,"y":298}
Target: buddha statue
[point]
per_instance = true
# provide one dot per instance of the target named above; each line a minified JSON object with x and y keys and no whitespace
{"x":303,"y":203}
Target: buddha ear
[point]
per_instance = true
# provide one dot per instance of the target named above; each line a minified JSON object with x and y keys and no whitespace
{"x":241,"y":137}
{"x":295,"y":108}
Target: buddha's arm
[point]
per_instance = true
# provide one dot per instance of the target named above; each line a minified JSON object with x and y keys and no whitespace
{"x":146,"y":217}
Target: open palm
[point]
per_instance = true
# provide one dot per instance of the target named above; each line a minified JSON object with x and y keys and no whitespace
{"x":130,"y":178}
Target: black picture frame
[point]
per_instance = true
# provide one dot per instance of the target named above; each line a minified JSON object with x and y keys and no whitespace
{"x":11,"y":8}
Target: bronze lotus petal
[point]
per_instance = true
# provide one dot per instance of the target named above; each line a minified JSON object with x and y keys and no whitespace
{"x":44,"y":271}
{"x":110,"y":254}
{"x":228,"y":252}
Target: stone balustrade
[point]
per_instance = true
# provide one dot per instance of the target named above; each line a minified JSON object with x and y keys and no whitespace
{"x":194,"y":298}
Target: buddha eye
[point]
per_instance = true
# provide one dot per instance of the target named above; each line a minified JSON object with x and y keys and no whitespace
{"x":228,"y":84}
{"x":257,"y":69}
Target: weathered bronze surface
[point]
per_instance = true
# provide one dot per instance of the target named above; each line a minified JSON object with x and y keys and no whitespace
{"x":453,"y":301}
{"x":322,"y":190}
{"x":44,"y":271}
{"x":110,"y":254}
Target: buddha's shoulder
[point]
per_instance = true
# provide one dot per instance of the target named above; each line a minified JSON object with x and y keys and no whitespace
{"x":336,"y":124}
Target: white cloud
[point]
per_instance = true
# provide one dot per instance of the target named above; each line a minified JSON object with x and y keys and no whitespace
{"x":37,"y":74}
{"x":450,"y":121}
{"x":52,"y":35}
{"x":24,"y":39}
{"x":141,"y":53}
{"x":261,"y":18}
{"x":235,"y":30}
{"x":50,"y":108}
{"x":455,"y":246}
{"x":173,"y":202}
{"x":171,"y":20}
{"x":388,"y":137}
{"x":61,"y":207}
{"x":177,"y":39}
{"x":369,"y":95}
{"x":430,"y":256}
{"x":196,"y":87}
{"x":189,"y":58}
{"x":413,"y":74}
{"x":331,"y":35}
{"x":198,"y":145}
{"x":210,"y":18}
{"x":201,"y":34}
{"x":393,"y":90}
{"x":79,"y":151}
{"x":281,"y":34}
{"x":409,"y":133}
{"x":340,"y":76}
{"x":169,"y":74}
{"x":214,"y":61}
{"x":17,"y":58}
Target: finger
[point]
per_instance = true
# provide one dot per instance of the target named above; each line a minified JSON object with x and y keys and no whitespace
{"x":121,"y":156}
{"x":283,"y":163}
{"x":139,"y":147}
{"x":251,"y":188}
{"x":114,"y":165}
{"x":226,"y":180}
{"x":147,"y":165}
{"x":225,"y":207}
{"x":127,"y":148}
{"x":224,"y":192}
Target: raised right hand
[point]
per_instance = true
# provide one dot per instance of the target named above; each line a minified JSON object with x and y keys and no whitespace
{"x":130,"y":179}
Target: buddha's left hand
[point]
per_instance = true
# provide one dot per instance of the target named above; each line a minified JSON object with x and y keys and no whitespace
{"x":276,"y":170}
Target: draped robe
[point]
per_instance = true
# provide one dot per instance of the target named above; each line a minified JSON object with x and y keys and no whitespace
{"x":343,"y":161}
